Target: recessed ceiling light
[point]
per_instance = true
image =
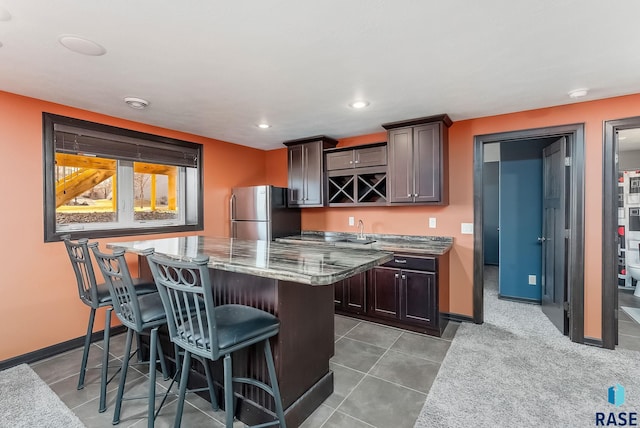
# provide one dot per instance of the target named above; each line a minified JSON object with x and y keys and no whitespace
{"x":359,"y":104}
{"x":578,"y":93}
{"x":263,"y":126}
{"x":81,"y":45}
{"x":136,"y":103}
{"x":4,"y":14}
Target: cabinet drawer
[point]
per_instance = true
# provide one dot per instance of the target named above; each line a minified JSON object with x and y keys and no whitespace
{"x":411,"y":262}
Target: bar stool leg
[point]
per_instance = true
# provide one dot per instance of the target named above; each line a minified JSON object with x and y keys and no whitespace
{"x":184,"y":377}
{"x":274,"y":383}
{"x":123,"y":377}
{"x":85,"y":352}
{"x":163,"y":364}
{"x":228,"y":391}
{"x":153,"y":349}
{"x":105,"y":362}
{"x":212,"y":392}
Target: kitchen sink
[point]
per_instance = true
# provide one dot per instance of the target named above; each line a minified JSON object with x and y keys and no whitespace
{"x":356,"y":241}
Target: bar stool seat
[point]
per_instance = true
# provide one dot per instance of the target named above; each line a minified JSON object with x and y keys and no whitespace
{"x":237,"y":324}
{"x":143,"y":286}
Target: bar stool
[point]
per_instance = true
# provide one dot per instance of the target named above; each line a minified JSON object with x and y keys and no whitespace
{"x":205,"y":331}
{"x":140,"y":314}
{"x":96,"y":295}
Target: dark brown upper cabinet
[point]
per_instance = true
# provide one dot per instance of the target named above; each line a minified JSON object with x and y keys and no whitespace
{"x":418,"y":160}
{"x":306,"y":170}
{"x":357,"y":176}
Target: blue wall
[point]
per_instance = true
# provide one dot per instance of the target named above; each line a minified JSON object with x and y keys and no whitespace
{"x":520,"y":219}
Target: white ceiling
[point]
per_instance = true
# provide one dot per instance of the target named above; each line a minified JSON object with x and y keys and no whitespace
{"x":217,"y":68}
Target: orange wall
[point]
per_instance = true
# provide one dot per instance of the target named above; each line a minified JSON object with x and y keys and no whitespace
{"x":414,"y":220}
{"x":40,"y":305}
{"x":46,"y":295}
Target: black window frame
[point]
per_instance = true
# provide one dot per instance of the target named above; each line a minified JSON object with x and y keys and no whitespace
{"x":49,"y":122}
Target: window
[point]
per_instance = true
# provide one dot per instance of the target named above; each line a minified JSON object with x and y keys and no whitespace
{"x":102,"y":181}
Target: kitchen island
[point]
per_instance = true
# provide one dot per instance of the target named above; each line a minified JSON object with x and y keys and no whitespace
{"x":292,"y":281}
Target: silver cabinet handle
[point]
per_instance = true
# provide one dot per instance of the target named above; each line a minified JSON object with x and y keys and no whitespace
{"x":397,"y":276}
{"x":400,"y":261}
{"x":404,"y":276}
{"x":541,"y":239}
{"x":357,"y":161}
{"x":415,"y":195}
{"x":409,"y":195}
{"x":350,"y":162}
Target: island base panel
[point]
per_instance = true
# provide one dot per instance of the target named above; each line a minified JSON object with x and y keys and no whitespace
{"x":301,"y":349}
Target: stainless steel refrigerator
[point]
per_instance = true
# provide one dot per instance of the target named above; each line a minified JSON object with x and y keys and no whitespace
{"x":261,"y":213}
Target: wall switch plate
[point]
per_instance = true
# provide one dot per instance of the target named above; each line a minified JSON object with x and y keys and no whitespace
{"x":533,"y":279}
{"x":352,"y":221}
{"x":466,"y":228}
{"x":432,"y":222}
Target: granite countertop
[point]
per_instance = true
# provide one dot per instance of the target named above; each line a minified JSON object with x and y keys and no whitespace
{"x":313,"y":265}
{"x":419,"y":245}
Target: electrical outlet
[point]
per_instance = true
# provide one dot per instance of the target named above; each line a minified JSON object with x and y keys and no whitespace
{"x":432,"y":222}
{"x":466,"y":228}
{"x":352,"y":221}
{"x":533,"y":279}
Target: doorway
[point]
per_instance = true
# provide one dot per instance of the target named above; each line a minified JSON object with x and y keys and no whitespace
{"x":621,"y":228}
{"x":573,"y":271}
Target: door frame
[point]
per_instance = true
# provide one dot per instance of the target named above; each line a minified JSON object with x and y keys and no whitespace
{"x":610,"y":227}
{"x":575,"y":261}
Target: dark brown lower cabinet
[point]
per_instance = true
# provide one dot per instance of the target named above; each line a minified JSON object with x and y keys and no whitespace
{"x":384,"y":299}
{"x":350,"y":294}
{"x":403,"y":293}
{"x":419,"y":297}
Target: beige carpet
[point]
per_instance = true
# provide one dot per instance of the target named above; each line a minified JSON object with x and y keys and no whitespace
{"x":517,"y":370}
{"x":27,"y":402}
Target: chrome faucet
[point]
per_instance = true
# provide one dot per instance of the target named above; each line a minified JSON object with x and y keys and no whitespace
{"x":361,"y":231}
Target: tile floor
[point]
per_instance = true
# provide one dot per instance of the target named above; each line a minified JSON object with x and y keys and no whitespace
{"x":382,"y":376}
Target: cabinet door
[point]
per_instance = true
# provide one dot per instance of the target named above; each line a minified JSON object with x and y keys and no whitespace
{"x":338,"y":298}
{"x":355,"y":292}
{"x":313,"y":174}
{"x":426,"y":163}
{"x":419,"y":298}
{"x":296,"y":175}
{"x":372,"y":156}
{"x":400,"y":167}
{"x":339,"y":160}
{"x":384,"y":293}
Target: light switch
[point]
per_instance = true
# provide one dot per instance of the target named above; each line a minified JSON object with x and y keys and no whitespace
{"x":466,"y":228}
{"x":352,"y":221}
{"x":432,"y":222}
{"x":532,"y":280}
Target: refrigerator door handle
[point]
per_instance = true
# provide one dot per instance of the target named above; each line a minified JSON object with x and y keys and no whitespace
{"x":231,"y":206}
{"x":232,"y":233}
